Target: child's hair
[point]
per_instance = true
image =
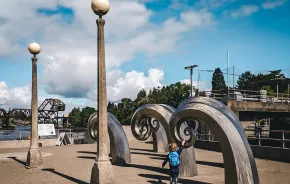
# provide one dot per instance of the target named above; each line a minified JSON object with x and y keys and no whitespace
{"x":172,"y":147}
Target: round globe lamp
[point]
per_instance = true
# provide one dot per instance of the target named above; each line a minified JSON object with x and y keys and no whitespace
{"x":100,"y":7}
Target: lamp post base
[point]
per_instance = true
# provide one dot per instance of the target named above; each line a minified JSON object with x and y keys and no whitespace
{"x":34,"y":159}
{"x":102,"y":173}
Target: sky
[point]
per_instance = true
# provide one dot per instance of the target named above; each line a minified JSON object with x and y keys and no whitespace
{"x":147,"y":43}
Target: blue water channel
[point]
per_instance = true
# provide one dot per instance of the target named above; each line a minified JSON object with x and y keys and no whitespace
{"x":15,"y":134}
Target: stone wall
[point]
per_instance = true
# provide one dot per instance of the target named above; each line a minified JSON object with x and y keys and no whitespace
{"x":26,"y":143}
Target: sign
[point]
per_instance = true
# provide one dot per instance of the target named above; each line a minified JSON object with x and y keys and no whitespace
{"x":46,"y":129}
{"x":263,"y":96}
{"x":62,"y":139}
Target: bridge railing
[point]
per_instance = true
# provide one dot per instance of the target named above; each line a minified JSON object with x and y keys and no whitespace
{"x":247,"y":95}
{"x":278,"y":139}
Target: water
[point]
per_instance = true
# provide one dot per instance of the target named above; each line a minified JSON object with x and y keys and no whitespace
{"x":15,"y":134}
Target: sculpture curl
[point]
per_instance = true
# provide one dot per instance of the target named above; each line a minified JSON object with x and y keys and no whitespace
{"x":119,"y":145}
{"x":147,"y":119}
{"x":239,"y":162}
{"x":162,"y":113}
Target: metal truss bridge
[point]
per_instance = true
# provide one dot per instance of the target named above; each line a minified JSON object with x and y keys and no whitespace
{"x":43,"y":113}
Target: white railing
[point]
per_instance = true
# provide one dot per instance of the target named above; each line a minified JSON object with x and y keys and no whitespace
{"x":262,"y":138}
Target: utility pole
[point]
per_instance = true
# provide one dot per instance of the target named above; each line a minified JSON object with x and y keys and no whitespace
{"x":190,"y":68}
{"x":198,"y":83}
{"x":233,"y":77}
{"x":288,"y":91}
{"x":228,"y":65}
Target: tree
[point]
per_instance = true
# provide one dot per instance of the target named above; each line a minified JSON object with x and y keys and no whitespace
{"x":85,"y":114}
{"x":247,"y":81}
{"x":176,"y":93}
{"x":218,"y":81}
{"x":75,"y":116}
{"x":111,"y":107}
{"x":141,"y":95}
{"x":125,"y":109}
{"x":269,"y":90}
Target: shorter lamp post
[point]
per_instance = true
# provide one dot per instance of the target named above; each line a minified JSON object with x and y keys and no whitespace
{"x":34,"y":158}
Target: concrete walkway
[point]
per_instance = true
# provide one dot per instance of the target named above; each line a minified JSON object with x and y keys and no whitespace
{"x":73,"y":164}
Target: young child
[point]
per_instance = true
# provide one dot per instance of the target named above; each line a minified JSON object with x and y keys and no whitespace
{"x":174,"y":161}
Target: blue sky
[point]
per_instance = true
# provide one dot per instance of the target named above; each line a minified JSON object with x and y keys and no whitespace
{"x":255,"y":33}
{"x":258,"y":43}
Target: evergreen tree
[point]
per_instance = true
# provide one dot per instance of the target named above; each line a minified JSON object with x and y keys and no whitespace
{"x":218,"y":81}
{"x":141,"y":94}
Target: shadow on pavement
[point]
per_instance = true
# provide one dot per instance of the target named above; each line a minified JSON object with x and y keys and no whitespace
{"x":137,"y":149}
{"x":17,"y":160}
{"x":65,"y":176}
{"x":87,"y":157}
{"x":157,"y":182}
{"x":213,"y":164}
{"x":159,"y":179}
{"x":149,"y":154}
{"x":146,"y":167}
{"x":157,"y":158}
{"x":88,"y":152}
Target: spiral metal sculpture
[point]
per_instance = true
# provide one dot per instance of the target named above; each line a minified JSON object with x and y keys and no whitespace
{"x":239,"y":163}
{"x":153,"y":119}
{"x":119,"y":146}
{"x":161,"y":114}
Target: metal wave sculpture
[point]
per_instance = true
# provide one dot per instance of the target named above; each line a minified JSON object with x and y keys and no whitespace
{"x":119,"y":146}
{"x":146,"y":121}
{"x":239,"y":162}
{"x":153,"y":119}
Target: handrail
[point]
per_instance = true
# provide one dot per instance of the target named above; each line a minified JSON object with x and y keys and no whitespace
{"x":210,"y":137}
{"x":285,"y":131}
{"x":248,"y":95}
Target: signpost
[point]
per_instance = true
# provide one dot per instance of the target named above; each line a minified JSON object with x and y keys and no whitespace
{"x":46,"y":129}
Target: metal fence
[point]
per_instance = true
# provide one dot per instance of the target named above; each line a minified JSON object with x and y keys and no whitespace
{"x":269,"y":138}
{"x":76,"y":134}
{"x":247,"y":95}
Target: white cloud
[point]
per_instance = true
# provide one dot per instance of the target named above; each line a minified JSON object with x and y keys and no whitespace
{"x":124,"y":39}
{"x":128,"y":85}
{"x":204,"y":85}
{"x":69,"y":51}
{"x":122,"y":86}
{"x":18,"y":97}
{"x":272,"y":4}
{"x":244,"y":11}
